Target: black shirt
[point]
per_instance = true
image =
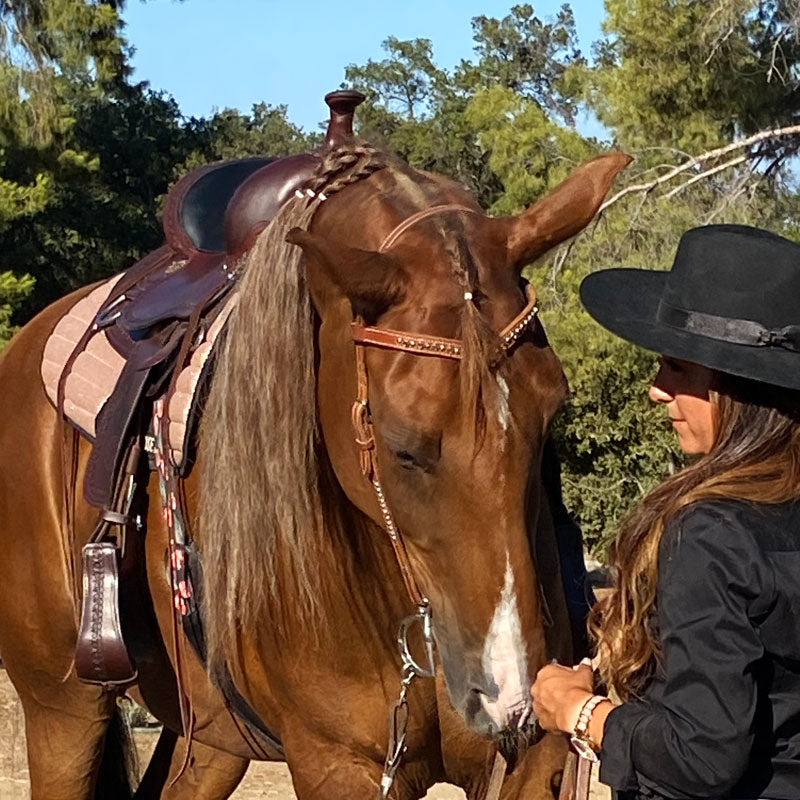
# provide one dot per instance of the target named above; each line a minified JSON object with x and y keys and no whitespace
{"x":722,"y":718}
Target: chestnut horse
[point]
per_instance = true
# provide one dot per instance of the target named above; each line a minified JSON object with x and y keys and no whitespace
{"x":302,"y":591}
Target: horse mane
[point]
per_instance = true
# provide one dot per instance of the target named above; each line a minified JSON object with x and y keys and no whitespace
{"x":265,"y":508}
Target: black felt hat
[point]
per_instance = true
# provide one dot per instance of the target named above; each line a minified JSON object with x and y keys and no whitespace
{"x":730,"y":302}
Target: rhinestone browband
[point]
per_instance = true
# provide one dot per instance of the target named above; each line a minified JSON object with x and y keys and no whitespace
{"x":422,"y":344}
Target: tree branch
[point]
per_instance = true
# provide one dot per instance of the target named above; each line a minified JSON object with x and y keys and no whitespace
{"x":732,"y":163}
{"x":772,"y":133}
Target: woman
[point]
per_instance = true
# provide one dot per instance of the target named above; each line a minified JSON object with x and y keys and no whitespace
{"x":700,"y":637}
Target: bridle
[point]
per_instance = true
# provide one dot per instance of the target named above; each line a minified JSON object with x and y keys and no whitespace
{"x":418,"y":344}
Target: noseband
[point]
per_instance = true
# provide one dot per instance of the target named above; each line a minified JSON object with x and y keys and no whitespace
{"x":418,"y":344}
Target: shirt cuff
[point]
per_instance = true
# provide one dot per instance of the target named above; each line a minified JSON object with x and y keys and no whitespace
{"x":616,"y":754}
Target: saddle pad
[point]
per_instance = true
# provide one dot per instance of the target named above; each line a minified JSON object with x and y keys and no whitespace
{"x":95,"y":372}
{"x":181,"y":407}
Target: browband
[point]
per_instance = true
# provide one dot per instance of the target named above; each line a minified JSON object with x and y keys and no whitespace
{"x":725,"y":329}
{"x":422,"y":344}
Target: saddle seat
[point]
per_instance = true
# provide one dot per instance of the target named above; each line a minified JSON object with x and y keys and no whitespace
{"x":211,"y":217}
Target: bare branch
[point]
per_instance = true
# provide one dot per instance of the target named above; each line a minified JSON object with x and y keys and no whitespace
{"x":709,"y":155}
{"x":718,"y":45}
{"x":732,"y":163}
{"x":773,"y":68}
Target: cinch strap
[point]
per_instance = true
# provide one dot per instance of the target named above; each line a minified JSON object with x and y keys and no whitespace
{"x":725,"y":329}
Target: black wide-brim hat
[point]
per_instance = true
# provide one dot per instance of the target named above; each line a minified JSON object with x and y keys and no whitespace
{"x":730,"y":302}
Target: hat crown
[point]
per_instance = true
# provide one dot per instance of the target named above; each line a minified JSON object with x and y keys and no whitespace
{"x":738,"y":272}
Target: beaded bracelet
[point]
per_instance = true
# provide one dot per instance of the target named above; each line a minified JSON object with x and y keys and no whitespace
{"x":580,"y":738}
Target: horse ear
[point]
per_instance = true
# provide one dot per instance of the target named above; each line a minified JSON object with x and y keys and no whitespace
{"x":372,"y":281}
{"x":562,"y":212}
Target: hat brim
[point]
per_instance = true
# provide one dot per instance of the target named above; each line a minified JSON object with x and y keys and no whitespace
{"x":625,"y":302}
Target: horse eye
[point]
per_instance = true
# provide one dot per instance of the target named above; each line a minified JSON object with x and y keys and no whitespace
{"x":412,"y":450}
{"x":406,"y":460}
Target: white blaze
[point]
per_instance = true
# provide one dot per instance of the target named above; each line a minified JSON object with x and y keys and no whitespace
{"x":504,"y":659}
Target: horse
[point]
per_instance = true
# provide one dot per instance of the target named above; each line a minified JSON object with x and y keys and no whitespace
{"x":382,"y":285}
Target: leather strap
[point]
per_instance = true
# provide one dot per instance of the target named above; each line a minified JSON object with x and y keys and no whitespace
{"x":422,"y":344}
{"x":576,"y":778}
{"x":395,"y":234}
{"x":497,"y":777}
{"x":568,"y":777}
{"x":583,"y":778}
{"x":416,"y":343}
{"x":365,"y":439}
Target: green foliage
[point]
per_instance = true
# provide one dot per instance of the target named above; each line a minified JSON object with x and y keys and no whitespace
{"x":85,"y":158}
{"x":231,"y":134}
{"x":526,"y":150}
{"x":422,"y":112}
{"x":103,"y":213}
{"x":56,"y":56}
{"x":12,"y":291}
{"x":692,"y":75}
{"x":528,"y":56}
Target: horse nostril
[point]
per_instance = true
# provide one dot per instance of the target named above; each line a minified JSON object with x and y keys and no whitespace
{"x":474,"y":704}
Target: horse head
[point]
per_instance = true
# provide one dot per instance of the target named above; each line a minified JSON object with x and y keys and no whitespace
{"x":458,"y":439}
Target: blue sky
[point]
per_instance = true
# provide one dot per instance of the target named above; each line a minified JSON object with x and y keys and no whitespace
{"x":214,"y":54}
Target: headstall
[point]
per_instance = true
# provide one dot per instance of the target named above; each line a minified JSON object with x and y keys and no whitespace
{"x":419,"y":344}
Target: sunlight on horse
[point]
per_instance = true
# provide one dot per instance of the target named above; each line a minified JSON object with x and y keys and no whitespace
{"x":301,"y":591}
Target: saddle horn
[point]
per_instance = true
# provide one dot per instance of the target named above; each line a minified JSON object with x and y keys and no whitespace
{"x":343,"y":104}
{"x":258,"y":198}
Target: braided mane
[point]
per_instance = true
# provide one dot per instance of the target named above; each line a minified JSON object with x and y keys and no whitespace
{"x":260,"y":504}
{"x":269,"y":509}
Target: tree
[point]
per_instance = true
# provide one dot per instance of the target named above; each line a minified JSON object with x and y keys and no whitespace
{"x":12,"y":291}
{"x":231,"y":134}
{"x":49,"y":50}
{"x":690,"y":75}
{"x":416,"y":110}
{"x":529,"y":57}
{"x":421,"y":111}
{"x":103,"y":216}
{"x":86,"y":157}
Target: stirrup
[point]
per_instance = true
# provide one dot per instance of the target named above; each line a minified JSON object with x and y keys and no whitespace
{"x":101,"y":656}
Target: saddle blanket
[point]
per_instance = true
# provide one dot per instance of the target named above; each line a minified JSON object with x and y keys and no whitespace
{"x":95,"y":371}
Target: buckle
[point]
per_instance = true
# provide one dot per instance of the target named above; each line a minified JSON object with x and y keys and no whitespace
{"x":583,"y":747}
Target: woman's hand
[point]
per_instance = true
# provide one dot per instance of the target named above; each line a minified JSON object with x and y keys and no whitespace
{"x":559,"y":693}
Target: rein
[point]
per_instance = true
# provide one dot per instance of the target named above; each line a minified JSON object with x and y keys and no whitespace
{"x":418,"y":344}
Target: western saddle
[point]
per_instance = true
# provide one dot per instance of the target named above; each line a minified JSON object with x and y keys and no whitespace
{"x":158,"y":321}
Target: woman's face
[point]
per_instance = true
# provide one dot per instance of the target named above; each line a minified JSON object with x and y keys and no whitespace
{"x":685,"y":389}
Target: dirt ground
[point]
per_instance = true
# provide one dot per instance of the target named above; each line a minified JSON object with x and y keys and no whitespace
{"x":263,"y":781}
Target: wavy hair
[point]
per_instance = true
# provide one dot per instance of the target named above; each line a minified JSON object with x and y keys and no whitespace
{"x":755,"y":457}
{"x":271,"y":518}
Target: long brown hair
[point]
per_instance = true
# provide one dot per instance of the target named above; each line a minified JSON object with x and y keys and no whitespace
{"x":755,"y":456}
{"x":265,"y":511}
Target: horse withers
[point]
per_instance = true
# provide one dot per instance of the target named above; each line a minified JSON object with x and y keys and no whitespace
{"x":299,"y":519}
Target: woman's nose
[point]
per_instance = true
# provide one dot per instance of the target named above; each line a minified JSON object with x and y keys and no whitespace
{"x":659,"y":395}
{"x":658,"y":392}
